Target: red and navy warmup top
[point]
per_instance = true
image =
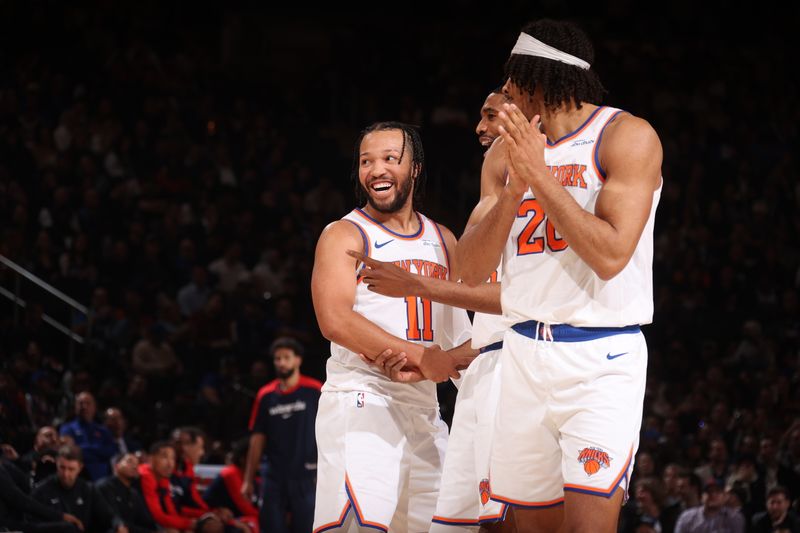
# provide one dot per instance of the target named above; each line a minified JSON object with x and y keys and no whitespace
{"x":287,"y":420}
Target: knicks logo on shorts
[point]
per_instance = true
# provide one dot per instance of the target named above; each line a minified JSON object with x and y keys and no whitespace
{"x":483,"y":488}
{"x":592,"y":459}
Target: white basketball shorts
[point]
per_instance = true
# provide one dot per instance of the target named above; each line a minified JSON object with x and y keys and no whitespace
{"x":380,"y":464}
{"x":569,"y":413}
{"x":464,"y":501}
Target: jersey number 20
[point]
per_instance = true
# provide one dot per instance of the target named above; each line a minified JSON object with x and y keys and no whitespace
{"x":414,"y":333}
{"x":527,"y":245}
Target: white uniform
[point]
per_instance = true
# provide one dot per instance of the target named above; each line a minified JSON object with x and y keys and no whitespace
{"x":574,"y":360}
{"x":464,"y":501}
{"x":381,"y":444}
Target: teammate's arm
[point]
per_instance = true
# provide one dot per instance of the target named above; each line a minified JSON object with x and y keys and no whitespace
{"x":390,"y":280}
{"x":631,"y":155}
{"x":333,"y":290}
{"x":478,"y":251}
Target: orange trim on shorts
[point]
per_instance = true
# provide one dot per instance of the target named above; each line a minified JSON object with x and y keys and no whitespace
{"x":603,"y":492}
{"x":529,"y":505}
{"x":352,"y":497}
{"x":337,"y":523}
{"x":455,"y":521}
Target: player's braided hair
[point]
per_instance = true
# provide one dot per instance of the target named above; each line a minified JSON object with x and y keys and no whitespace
{"x":412,"y":139}
{"x":560,"y":83}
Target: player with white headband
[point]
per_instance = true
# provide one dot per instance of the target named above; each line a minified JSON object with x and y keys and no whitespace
{"x":574,"y":227}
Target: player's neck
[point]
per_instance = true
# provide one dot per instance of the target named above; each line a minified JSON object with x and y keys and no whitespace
{"x":564,"y":120}
{"x":290,"y":382}
{"x":403,"y":221}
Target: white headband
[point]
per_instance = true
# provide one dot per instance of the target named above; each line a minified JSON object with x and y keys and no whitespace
{"x":528,"y":46}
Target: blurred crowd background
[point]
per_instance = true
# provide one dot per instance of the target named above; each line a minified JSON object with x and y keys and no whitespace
{"x":170,"y":167}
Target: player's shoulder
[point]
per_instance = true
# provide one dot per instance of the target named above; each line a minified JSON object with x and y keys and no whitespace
{"x":342,"y":230}
{"x":626,"y":127}
{"x":269,"y":388}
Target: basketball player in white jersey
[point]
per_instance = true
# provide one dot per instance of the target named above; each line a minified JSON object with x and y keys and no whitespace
{"x":574,"y":226}
{"x":464,"y":503}
{"x":381,"y":444}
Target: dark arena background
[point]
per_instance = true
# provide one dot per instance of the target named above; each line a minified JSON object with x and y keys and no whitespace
{"x":149,"y":146}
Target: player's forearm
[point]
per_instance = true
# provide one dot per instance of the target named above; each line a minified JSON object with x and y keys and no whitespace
{"x":351,"y":330}
{"x":479,"y":250}
{"x":484,"y":298}
{"x":253,"y":456}
{"x":595,"y":241}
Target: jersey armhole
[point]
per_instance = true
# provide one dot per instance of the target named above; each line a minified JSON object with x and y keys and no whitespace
{"x":601,"y":173}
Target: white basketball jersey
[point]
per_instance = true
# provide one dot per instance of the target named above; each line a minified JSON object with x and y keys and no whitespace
{"x":486,"y":328}
{"x":415,"y":319}
{"x":544,"y":279}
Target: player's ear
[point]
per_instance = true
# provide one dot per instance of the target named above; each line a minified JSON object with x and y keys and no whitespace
{"x":416,"y":168}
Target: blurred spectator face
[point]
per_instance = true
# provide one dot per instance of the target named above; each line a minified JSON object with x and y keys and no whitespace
{"x":670,"y":479}
{"x":717,"y":451}
{"x":128,"y":467}
{"x":766,"y":450}
{"x":85,"y":406}
{"x":713,"y":497}
{"x":163,"y":462}
{"x":645,"y":465}
{"x":777,"y":506}
{"x":67,"y":471}
{"x":46,"y":439}
{"x":115,"y":422}
{"x":193,"y":451}
{"x":287,"y":363}
{"x":487,"y":127}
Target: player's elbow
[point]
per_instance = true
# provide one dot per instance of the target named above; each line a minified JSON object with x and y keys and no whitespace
{"x":608,"y":268}
{"x":330,"y":326}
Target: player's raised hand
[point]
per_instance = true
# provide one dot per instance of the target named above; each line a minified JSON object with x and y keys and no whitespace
{"x":394,"y":366}
{"x":386,"y":278}
{"x":438,"y":365}
{"x":525,"y":145}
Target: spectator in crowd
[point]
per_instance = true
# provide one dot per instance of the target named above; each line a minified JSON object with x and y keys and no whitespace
{"x":117,"y":424}
{"x":40,"y":461}
{"x":19,"y":511}
{"x":193,"y":296}
{"x":157,"y":494}
{"x":122,"y":494}
{"x":95,"y":441}
{"x":779,"y":516}
{"x":716,"y":468}
{"x":282,"y":427}
{"x":647,"y":505}
{"x":773,"y":472}
{"x":154,"y":358}
{"x":70,"y":494}
{"x":226,"y":488}
{"x":712,"y":515}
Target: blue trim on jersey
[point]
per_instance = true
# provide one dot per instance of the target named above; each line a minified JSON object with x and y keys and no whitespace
{"x":567,"y":333}
{"x":444,"y":245}
{"x":363,"y":235}
{"x":492,"y":347}
{"x":419,"y":231}
{"x":596,"y":148}
{"x":576,"y":130}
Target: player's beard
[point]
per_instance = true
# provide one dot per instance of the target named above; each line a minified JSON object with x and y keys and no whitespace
{"x":284,"y":374}
{"x":403,"y":192}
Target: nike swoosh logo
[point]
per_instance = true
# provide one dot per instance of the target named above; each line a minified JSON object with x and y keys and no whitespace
{"x":610,"y":357}
{"x":381,"y":245}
